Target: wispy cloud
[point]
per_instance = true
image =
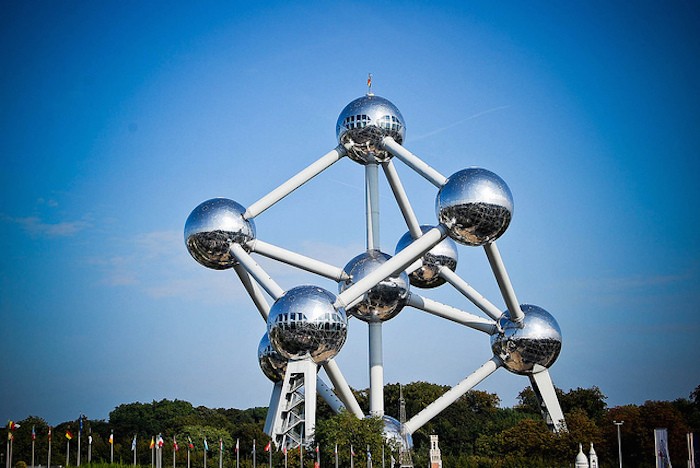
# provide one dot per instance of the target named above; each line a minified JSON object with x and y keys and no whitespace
{"x":458,"y":122}
{"x":35,"y":227}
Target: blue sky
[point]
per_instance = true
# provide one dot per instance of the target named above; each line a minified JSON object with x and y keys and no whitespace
{"x":118,"y":118}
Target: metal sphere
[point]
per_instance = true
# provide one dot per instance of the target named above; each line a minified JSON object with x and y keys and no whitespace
{"x":392,"y":434}
{"x":442,"y":255}
{"x":303,"y":323}
{"x":528,"y":347}
{"x":476,"y":206}
{"x":212,"y":227}
{"x":386,"y":299}
{"x":272,"y":363}
{"x":364,"y":122}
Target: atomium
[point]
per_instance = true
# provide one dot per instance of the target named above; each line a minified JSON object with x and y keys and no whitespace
{"x":307,"y":325}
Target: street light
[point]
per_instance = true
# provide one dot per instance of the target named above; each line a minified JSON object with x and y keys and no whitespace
{"x":619,"y":440}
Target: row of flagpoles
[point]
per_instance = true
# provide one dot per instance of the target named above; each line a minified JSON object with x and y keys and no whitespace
{"x":156,"y":446}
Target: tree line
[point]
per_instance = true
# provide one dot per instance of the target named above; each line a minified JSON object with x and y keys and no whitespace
{"x":473,"y":432}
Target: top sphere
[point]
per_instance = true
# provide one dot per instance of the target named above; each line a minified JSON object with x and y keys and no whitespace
{"x":364,"y":122}
{"x":530,"y":346}
{"x":475,"y":205}
{"x":442,"y":255}
{"x":303,"y":323}
{"x":212,"y":227}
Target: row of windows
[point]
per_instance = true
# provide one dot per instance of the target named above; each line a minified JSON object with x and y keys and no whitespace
{"x":388,"y":122}
{"x":297,"y":317}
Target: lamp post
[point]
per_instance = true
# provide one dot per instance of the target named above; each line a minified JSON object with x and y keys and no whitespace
{"x":619,"y":440}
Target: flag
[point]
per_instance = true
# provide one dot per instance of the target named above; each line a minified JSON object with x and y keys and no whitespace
{"x":175,"y":446}
{"x":236,"y":445}
{"x":190,"y":445}
{"x":317,"y":449}
{"x":206,"y":446}
{"x":111,"y":438}
{"x":352,"y":452}
{"x":336,"y":449}
{"x":80,"y":420}
{"x":49,"y":433}
{"x":90,"y":440}
{"x":267,"y":447}
{"x":160,"y":441}
{"x":284,"y":450}
{"x":10,"y":436}
{"x":69,"y":435}
{"x":133,"y":444}
{"x":369,"y":79}
{"x":153,"y":443}
{"x":253,"y":445}
{"x":369,"y":454}
{"x":221,"y":445}
{"x":33,"y":433}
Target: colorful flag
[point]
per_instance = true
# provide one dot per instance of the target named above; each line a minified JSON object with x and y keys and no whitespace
{"x":69,"y":435}
{"x":49,"y":433}
{"x":352,"y":452}
{"x":160,"y":441}
{"x":236,"y":445}
{"x":190,"y":445}
{"x":111,"y":438}
{"x":336,"y":449}
{"x":175,"y":446}
{"x":133,"y":444}
{"x":284,"y":450}
{"x":317,"y":449}
{"x":221,"y":445}
{"x":267,"y":447}
{"x":10,"y":436}
{"x":253,"y":446}
{"x":206,"y":446}
{"x":153,"y":443}
{"x":80,"y":419}
{"x":369,"y":80}
{"x":33,"y":433}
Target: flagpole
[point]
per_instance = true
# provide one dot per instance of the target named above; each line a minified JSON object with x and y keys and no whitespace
{"x":174,"y":445}
{"x":253,"y":453}
{"x":80,"y":432}
{"x":111,"y":446}
{"x":133,"y":448}
{"x":270,"y":451}
{"x":318,"y":457}
{"x":90,"y":447}
{"x":68,"y":453}
{"x":237,"y":456}
{"x":221,"y":453}
{"x":153,"y":451}
{"x":352,"y":457}
{"x":33,"y":440}
{"x":285,"y":457}
{"x":205,"y":452}
{"x":48,"y":457}
{"x":336,"y":455}
{"x":301,"y":455}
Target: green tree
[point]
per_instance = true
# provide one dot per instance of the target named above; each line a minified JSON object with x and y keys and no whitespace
{"x":347,"y":431}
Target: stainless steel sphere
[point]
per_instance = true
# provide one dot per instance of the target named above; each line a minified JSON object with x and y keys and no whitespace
{"x":392,"y":434}
{"x":476,"y":206}
{"x":442,"y":255}
{"x":364,"y":122}
{"x":212,"y":227}
{"x":525,"y":347}
{"x":303,"y":323}
{"x":272,"y":363}
{"x":386,"y":299}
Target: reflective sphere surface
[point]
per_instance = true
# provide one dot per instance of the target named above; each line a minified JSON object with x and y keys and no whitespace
{"x":304,"y":324}
{"x":476,"y":206}
{"x":212,"y":227}
{"x":364,"y":122}
{"x":386,"y":299}
{"x":272,"y":363}
{"x":538,"y":342}
{"x":444,"y":254}
{"x":392,"y":433}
